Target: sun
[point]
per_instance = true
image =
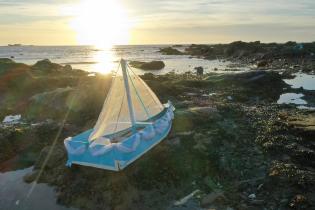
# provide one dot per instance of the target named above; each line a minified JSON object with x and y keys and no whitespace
{"x":101,"y":23}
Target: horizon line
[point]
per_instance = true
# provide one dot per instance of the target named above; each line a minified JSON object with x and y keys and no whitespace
{"x":86,"y":45}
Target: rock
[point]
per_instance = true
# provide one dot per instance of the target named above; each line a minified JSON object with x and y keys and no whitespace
{"x":153,"y":65}
{"x":204,"y":110}
{"x":199,"y":70}
{"x":46,"y":66}
{"x":51,"y":156}
{"x":306,"y":70}
{"x":284,"y":201}
{"x":30,"y":177}
{"x":55,"y":99}
{"x":186,"y":198}
{"x":6,"y":60}
{"x":68,"y":67}
{"x":260,"y":186}
{"x":290,"y":173}
{"x":174,"y":141}
{"x":252,"y":196}
{"x":170,"y":51}
{"x":185,"y":133}
{"x":287,"y":74}
{"x":306,"y":123}
{"x":298,"y":201}
{"x":209,"y":182}
{"x":210,"y":198}
{"x":262,"y":63}
{"x":257,"y":202}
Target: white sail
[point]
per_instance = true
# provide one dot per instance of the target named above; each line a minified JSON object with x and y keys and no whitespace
{"x":116,"y":114}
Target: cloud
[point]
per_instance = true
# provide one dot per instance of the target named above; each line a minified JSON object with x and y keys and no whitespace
{"x":162,"y":19}
{"x":208,"y":13}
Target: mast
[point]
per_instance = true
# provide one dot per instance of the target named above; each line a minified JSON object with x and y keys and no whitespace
{"x":131,"y":111}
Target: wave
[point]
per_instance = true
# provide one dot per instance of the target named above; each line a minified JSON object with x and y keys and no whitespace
{"x":80,"y":62}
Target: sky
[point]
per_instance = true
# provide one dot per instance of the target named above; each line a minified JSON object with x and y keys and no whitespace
{"x":74,"y":22}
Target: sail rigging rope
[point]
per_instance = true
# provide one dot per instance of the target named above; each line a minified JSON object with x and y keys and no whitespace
{"x":154,"y":98}
{"x":138,"y":95}
{"x":121,"y":105}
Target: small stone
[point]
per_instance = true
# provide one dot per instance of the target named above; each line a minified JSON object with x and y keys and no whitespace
{"x":252,"y":196}
{"x":257,"y":202}
{"x":30,"y":177}
{"x":68,"y":67}
{"x":199,"y":70}
{"x":260,"y":186}
{"x":284,"y":201}
{"x":297,"y":201}
{"x":174,"y":141}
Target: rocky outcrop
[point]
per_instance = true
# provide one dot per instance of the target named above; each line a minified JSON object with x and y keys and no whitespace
{"x":152,"y":65}
{"x":46,"y":65}
{"x":229,"y":140}
{"x":170,"y":51}
{"x":55,"y":99}
{"x":6,"y":61}
{"x":263,"y":55}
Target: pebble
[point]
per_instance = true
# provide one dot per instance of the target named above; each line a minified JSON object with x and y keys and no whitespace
{"x":260,"y":186}
{"x":252,"y":196}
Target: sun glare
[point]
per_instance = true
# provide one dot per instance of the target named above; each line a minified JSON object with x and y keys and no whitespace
{"x":101,"y":23}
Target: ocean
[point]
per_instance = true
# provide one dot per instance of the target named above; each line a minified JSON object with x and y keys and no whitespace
{"x":92,"y":59}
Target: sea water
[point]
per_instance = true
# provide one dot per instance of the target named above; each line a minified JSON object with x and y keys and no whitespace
{"x":301,"y":80}
{"x":16,"y":194}
{"x":93,"y":59}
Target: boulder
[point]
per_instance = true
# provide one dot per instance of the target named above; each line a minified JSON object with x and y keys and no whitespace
{"x":6,"y":60}
{"x":199,"y":70}
{"x":68,"y":67}
{"x":262,"y":63}
{"x":15,"y":69}
{"x":54,"y":99}
{"x":30,"y":177}
{"x":47,"y":66}
{"x":152,"y":65}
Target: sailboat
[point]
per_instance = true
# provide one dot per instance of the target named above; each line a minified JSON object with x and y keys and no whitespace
{"x":132,"y":121}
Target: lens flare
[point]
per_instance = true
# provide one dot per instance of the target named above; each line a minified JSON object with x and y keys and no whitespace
{"x":100,"y":23}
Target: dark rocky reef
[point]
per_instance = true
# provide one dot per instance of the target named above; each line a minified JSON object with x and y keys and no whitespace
{"x":170,"y":51}
{"x":264,"y":55}
{"x":152,"y":65}
{"x":230,"y":144}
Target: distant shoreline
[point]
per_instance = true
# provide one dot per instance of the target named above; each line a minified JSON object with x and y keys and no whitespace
{"x":155,"y":44}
